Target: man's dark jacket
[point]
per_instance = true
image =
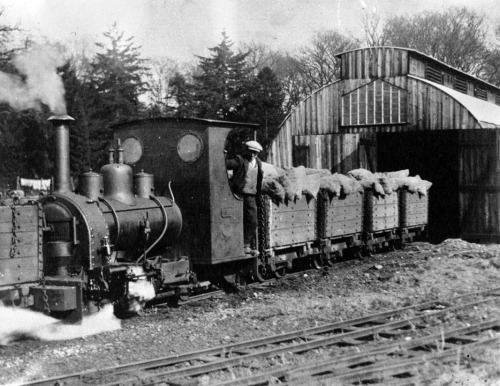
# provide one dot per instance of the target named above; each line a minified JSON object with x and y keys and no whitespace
{"x":239,"y":166}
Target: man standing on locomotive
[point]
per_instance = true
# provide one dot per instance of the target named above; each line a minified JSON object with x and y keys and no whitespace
{"x":247,"y":183}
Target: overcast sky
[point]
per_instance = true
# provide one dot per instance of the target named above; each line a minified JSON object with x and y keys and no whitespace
{"x":179,"y":29}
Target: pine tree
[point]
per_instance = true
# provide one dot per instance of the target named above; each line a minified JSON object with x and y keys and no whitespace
{"x":79,"y":96}
{"x":264,"y":104}
{"x":117,"y":77}
{"x":222,"y":84}
{"x":181,"y":92}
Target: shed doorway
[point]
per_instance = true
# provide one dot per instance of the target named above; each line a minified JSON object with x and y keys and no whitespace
{"x":433,"y":156}
{"x":464,"y":167}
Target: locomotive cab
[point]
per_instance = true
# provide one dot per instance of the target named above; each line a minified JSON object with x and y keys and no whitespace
{"x":190,"y":154}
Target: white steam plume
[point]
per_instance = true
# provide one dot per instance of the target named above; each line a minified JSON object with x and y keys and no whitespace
{"x":41,"y":84}
{"x":19,"y":322}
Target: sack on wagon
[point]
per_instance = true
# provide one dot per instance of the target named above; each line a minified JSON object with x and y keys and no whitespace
{"x":398,"y":174}
{"x":284,"y":181}
{"x":387,"y":184}
{"x":360,"y":174}
{"x":330,"y":186}
{"x":274,"y":190}
{"x":271,"y":171}
{"x":321,"y":172}
{"x":296,"y":177}
{"x":348,"y":184}
{"x":423,"y":187}
{"x":409,"y":183}
{"x":312,"y":185}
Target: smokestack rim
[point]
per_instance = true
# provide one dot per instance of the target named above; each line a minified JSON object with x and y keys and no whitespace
{"x":60,"y":118}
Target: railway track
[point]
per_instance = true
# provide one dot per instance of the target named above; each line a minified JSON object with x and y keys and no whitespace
{"x":390,"y":347}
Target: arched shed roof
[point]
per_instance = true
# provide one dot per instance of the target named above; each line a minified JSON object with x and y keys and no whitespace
{"x":486,"y":113}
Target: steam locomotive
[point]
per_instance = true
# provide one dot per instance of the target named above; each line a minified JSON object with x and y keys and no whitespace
{"x":176,"y":229}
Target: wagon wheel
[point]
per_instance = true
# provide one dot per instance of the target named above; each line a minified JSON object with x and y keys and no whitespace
{"x":280,"y":271}
{"x":260,"y":271}
{"x":369,"y":251}
{"x":334,"y":257}
{"x":329,"y":259}
{"x":316,"y":262}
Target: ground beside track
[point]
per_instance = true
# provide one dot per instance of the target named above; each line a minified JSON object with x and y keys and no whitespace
{"x":420,"y":273}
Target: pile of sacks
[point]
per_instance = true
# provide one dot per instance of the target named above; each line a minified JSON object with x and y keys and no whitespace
{"x":387,"y":183}
{"x":289,"y":184}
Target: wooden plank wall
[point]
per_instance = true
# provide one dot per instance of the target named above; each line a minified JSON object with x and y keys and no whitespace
{"x":316,"y":116}
{"x":479,"y":185}
{"x":336,"y":152}
{"x":375,"y":62}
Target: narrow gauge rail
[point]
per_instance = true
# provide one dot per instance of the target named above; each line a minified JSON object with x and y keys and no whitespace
{"x":174,"y":370}
{"x":394,"y":362}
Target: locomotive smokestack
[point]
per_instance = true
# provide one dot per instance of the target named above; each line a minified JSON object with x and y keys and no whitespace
{"x":62,"y":181}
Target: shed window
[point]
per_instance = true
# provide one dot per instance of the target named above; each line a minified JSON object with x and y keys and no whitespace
{"x":460,"y":85}
{"x":480,"y":93}
{"x":300,"y":155}
{"x":434,"y":74}
{"x":375,"y":103}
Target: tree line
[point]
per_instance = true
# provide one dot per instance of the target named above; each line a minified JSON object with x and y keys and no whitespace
{"x":252,"y":84}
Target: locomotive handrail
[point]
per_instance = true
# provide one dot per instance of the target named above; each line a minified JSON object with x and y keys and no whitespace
{"x":115,"y":217}
{"x":170,"y":190}
{"x":165,"y":225}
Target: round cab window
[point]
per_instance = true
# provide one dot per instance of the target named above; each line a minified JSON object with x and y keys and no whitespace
{"x":132,"y":150}
{"x":189,"y":148}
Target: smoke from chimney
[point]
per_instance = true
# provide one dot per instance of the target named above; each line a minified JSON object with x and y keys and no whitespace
{"x":41,"y":84}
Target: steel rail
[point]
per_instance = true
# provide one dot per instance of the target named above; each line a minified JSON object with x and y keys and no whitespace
{"x":297,"y":348}
{"x":216,"y":364}
{"x":375,"y":355}
{"x":388,"y":369}
{"x":241,"y":347}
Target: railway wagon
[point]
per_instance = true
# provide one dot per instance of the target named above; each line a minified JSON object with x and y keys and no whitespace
{"x":21,"y":252}
{"x":414,"y":215}
{"x":287,"y":232}
{"x":340,"y":223}
{"x":381,"y":220}
{"x":321,"y":230}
